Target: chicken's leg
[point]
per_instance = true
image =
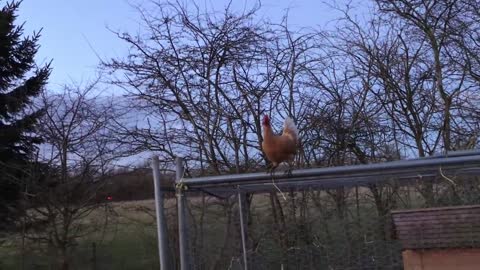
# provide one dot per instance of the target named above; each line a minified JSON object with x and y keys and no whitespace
{"x":288,"y":172}
{"x":271,"y":169}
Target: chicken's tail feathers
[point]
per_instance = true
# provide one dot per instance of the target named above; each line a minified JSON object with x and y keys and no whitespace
{"x":290,"y":128}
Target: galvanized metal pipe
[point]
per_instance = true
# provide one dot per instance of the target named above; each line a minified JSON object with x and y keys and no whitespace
{"x":241,"y":213}
{"x":163,"y":245}
{"x":457,"y":153}
{"x":459,"y":159}
{"x":182,"y":222}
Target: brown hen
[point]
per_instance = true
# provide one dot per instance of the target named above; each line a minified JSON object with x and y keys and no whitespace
{"x":280,"y":148}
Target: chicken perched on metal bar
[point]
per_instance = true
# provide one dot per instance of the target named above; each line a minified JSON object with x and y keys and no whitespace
{"x":280,"y":148}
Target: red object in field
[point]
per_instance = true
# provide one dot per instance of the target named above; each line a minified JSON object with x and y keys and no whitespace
{"x":109,"y":198}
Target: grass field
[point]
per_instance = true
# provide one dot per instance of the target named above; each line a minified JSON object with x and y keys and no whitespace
{"x":316,"y":230}
{"x":128,"y":241}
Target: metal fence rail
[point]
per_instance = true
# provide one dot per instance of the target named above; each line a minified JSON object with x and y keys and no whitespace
{"x":322,"y":218}
{"x":466,"y":160}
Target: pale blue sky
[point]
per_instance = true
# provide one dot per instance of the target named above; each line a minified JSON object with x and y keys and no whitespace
{"x":74,"y":31}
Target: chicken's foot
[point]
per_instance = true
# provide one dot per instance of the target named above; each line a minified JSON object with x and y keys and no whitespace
{"x":288,"y":172}
{"x":271,"y":170}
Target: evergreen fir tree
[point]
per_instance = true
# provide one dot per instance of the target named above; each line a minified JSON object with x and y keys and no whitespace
{"x":20,"y":82}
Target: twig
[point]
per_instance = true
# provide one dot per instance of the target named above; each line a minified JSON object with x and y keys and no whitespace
{"x":445,"y":177}
{"x":275,"y":185}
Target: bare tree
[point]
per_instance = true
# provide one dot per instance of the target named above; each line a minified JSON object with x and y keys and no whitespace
{"x":65,"y":188}
{"x":197,"y":75}
{"x":437,"y":24}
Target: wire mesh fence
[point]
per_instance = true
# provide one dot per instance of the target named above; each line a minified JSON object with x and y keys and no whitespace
{"x":309,"y":224}
{"x":347,"y":227}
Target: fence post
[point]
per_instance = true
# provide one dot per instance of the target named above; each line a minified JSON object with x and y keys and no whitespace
{"x":182,"y":226}
{"x":162,"y":233}
{"x":243,"y":231}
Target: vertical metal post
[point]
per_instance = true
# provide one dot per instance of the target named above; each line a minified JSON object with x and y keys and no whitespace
{"x":163,"y":246}
{"x":243,"y":232}
{"x":182,"y":226}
